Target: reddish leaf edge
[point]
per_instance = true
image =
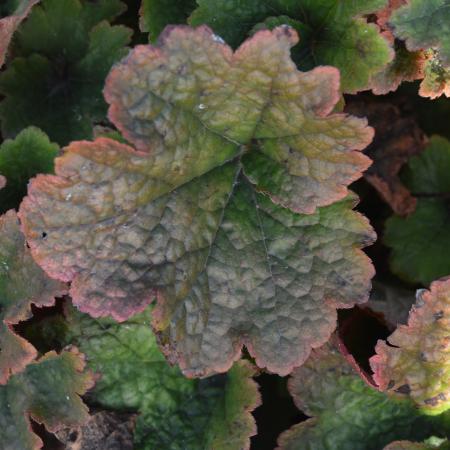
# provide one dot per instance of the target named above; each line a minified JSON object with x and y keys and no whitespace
{"x":79,"y":360}
{"x":30,"y":352}
{"x":377,"y":362}
{"x":172,"y":356}
{"x":323,"y":108}
{"x":71,"y":277}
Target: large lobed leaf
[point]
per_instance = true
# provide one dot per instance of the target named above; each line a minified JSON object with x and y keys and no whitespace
{"x":332,"y":32}
{"x":22,"y":282}
{"x":47,"y":391}
{"x":9,"y":24}
{"x":22,"y":158}
{"x":415,"y":360}
{"x":63,"y":53}
{"x":223,"y":139}
{"x":346,"y":413}
{"x":417,"y":241}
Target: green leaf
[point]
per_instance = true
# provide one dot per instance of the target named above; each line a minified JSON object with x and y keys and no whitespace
{"x":11,"y":15}
{"x":415,"y":359}
{"x":175,"y":413}
{"x":155,"y":15}
{"x":21,"y":159}
{"x":8,"y":7}
{"x":346,"y":413}
{"x":425,"y":24}
{"x":184,"y":217}
{"x":417,"y":240}
{"x":22,"y":282}
{"x":429,"y":444}
{"x":64,"y":51}
{"x":332,"y":32}
{"x":47,"y":391}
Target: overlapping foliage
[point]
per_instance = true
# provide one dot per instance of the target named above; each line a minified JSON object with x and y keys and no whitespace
{"x":62,"y":55}
{"x":48,"y":391}
{"x":174,"y":412}
{"x":221,"y":211}
{"x":22,"y":282}
{"x":332,"y":32}
{"x":217,"y":186}
{"x":425,"y":25}
{"x":346,"y":413}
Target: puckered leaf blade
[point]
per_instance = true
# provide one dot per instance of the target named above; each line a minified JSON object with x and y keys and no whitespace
{"x":269,"y":262}
{"x":416,"y":358}
{"x":22,"y":282}
{"x":28,"y":154}
{"x":182,"y":217}
{"x":107,"y":196}
{"x":222,"y":100}
{"x":345,"y":411}
{"x":47,"y":391}
{"x":174,"y":412}
{"x":8,"y":25}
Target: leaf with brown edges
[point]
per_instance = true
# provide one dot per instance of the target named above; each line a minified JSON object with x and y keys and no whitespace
{"x":22,"y":282}
{"x":415,"y":359}
{"x":234,"y":211}
{"x":47,"y":391}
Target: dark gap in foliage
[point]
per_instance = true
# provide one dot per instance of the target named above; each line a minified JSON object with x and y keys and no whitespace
{"x":34,"y":329}
{"x":277,"y":412}
{"x":130,"y":18}
{"x":50,"y":441}
{"x":360,"y":329}
{"x":376,"y":210}
{"x":431,"y":115}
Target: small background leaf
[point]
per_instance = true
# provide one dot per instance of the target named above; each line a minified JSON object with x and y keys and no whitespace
{"x":415,"y":256}
{"x":29,"y":154}
{"x":47,"y":390}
